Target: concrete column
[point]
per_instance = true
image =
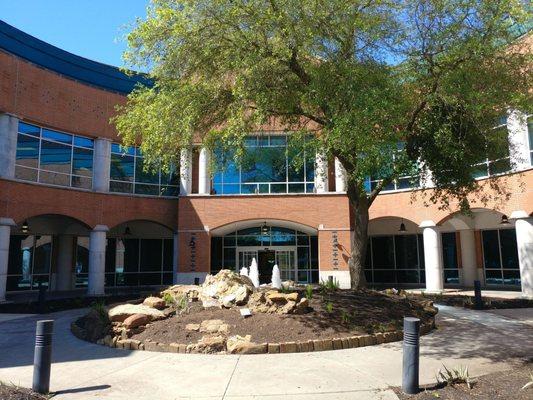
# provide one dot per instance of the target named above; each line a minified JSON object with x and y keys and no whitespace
{"x":204,"y":181}
{"x":5,"y":234}
{"x":468,"y":257}
{"x":185,"y":172}
{"x":97,"y":244}
{"x":518,"y":140}
{"x":524,"y":242}
{"x":340,"y":177}
{"x":433,"y":257}
{"x":321,"y":173}
{"x":101,"y":165}
{"x":65,"y":258}
{"x":8,"y":145}
{"x":175,"y":258}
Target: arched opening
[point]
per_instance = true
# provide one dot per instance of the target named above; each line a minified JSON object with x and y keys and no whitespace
{"x":395,"y":253}
{"x":487,"y":247}
{"x":291,"y":246}
{"x":49,"y":250}
{"x":139,"y":253}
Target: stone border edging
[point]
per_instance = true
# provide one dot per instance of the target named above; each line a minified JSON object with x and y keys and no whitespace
{"x":270,"y":348}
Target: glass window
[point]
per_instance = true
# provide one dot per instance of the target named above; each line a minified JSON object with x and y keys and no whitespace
{"x":406,"y":252}
{"x":53,"y":157}
{"x":383,"y":252}
{"x":500,"y":257}
{"x":29,"y":262}
{"x":151,"y":255}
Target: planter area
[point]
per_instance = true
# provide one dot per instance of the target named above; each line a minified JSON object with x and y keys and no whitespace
{"x":208,"y":319}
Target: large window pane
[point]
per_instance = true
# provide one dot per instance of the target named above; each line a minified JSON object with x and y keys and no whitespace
{"x":122,"y":167}
{"x":151,"y":255}
{"x":383,"y":253}
{"x":509,"y":248}
{"x":57,"y":136}
{"x":55,"y":157}
{"x":131,"y":255}
{"x":491,"y":251}
{"x":27,"y":151}
{"x":406,"y":252}
{"x":43,"y":254}
{"x":449,"y":250}
{"x":82,"y":162}
{"x":29,"y":129}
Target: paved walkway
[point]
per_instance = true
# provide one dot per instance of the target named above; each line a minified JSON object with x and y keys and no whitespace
{"x":484,"y":341}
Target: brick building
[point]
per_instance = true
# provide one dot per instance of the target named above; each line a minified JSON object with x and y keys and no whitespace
{"x":78,"y":212}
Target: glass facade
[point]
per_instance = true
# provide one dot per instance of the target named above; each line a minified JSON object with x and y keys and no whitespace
{"x":53,"y":157}
{"x":296,"y":253}
{"x":395,"y":259}
{"x":266,"y":168}
{"x":500,"y":257}
{"x":450,"y":258}
{"x":29,"y":262}
{"x":128,"y":174}
{"x":498,"y":160}
{"x":137,"y":262}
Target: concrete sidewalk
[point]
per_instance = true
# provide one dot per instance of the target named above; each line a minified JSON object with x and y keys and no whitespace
{"x":484,"y":341}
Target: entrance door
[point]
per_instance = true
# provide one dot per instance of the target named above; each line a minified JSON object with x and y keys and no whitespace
{"x":267,"y":259}
{"x":245,"y":258}
{"x":285,"y":261}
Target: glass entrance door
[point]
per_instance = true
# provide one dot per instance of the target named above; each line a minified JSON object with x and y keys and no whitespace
{"x":245,"y":258}
{"x":285,"y":262}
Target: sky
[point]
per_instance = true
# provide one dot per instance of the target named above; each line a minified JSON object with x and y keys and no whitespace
{"x":94,"y":29}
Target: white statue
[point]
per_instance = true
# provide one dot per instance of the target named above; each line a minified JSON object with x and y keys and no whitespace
{"x":276,"y":277}
{"x":244,"y":271}
{"x":254,"y":273}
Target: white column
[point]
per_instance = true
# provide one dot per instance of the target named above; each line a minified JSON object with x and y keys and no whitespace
{"x":340,"y":177}
{"x":5,"y":233}
{"x":175,"y":258}
{"x":524,"y":243}
{"x":518,"y":140}
{"x":321,"y":173}
{"x":204,"y":181}
{"x":8,"y":145}
{"x":433,"y":257}
{"x":97,"y":244}
{"x":101,"y":164}
{"x":185,"y":171}
{"x":65,"y":258}
{"x":468,"y":257}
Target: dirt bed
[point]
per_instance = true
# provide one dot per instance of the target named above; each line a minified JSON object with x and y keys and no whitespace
{"x":336,"y":314}
{"x":506,"y":385}
{"x":8,"y":392}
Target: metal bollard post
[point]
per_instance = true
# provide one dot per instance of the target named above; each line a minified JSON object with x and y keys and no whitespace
{"x":196,"y":281}
{"x":41,"y":299}
{"x":478,"y":301}
{"x":42,"y":358}
{"x":411,"y":355}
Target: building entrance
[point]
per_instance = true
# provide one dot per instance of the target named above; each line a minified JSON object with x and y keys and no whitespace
{"x":266,"y":259}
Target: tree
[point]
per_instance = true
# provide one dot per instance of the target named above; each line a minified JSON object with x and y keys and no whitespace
{"x":391,"y":88}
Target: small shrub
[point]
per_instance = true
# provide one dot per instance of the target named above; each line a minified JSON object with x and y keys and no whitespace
{"x":309,"y":292}
{"x":329,"y":307}
{"x":529,"y":383}
{"x":345,"y":317}
{"x":454,"y":376}
{"x":99,"y":307}
{"x":329,"y":285}
{"x":468,"y":302}
{"x":169,"y":299}
{"x":182,"y":303}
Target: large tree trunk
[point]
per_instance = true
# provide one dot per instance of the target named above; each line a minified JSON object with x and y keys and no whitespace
{"x":359,"y":240}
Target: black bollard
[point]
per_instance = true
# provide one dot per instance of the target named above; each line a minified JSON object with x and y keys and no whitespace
{"x":42,"y":358}
{"x":41,"y":299}
{"x":196,"y":281}
{"x":478,"y":301}
{"x":411,"y":355}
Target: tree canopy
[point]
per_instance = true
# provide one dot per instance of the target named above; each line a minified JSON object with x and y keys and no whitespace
{"x":389,"y":87}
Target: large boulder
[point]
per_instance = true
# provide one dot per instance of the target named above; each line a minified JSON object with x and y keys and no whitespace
{"x":123,"y":311}
{"x":209,"y":344}
{"x":228,"y":287}
{"x":155,"y":302}
{"x":177,"y":291}
{"x":214,"y":326}
{"x":275,"y":302}
{"x":136,"y":320}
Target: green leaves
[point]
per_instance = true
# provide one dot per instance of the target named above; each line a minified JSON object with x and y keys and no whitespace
{"x":361,"y":75}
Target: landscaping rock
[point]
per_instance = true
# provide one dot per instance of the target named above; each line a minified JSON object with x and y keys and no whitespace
{"x":192,"y":327}
{"x":214,"y":326}
{"x":227,"y":283}
{"x":210,"y":344}
{"x":190,"y":291}
{"x":91,"y":327}
{"x":235,"y":344}
{"x":123,"y":311}
{"x":229,"y":300}
{"x":154,"y":302}
{"x":136,"y":320}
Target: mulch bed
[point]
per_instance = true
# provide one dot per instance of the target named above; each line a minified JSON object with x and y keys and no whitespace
{"x":504,"y":385}
{"x":489,"y":303}
{"x":8,"y":392}
{"x":350,"y":313}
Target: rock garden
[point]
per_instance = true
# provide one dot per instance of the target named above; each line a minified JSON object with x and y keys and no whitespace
{"x":231,"y":313}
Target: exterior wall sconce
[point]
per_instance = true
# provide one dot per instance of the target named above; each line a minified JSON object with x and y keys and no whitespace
{"x":505,"y":220}
{"x":402,"y":227}
{"x":127,"y":231}
{"x":264,"y":229}
{"x":25,"y":227}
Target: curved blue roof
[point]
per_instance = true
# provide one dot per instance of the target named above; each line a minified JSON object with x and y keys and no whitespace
{"x":14,"y":41}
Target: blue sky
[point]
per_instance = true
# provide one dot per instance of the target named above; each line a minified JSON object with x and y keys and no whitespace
{"x":90,"y":28}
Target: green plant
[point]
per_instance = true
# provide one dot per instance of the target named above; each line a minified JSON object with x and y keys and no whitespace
{"x":468,"y":302}
{"x":329,"y":307}
{"x":329,"y":285}
{"x":454,"y":376}
{"x":169,"y":299}
{"x":309,"y":292}
{"x":182,"y":303}
{"x":345,"y":317}
{"x":100,"y":308}
{"x":530,"y":382}
{"x":285,"y":289}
